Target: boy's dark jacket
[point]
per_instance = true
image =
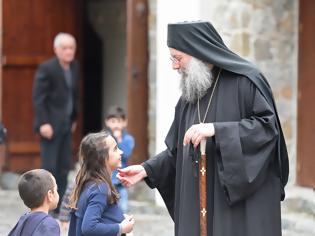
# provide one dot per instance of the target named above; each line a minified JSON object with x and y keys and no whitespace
{"x":36,"y":224}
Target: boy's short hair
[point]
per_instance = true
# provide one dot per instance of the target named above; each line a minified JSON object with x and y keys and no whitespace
{"x":116,"y":112}
{"x":34,"y":186}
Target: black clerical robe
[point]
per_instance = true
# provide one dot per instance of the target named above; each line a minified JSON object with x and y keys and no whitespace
{"x":243,"y":180}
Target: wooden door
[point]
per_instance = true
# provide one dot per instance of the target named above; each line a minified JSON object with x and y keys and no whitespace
{"x":28,"y":31}
{"x":306,"y":88}
{"x":137,"y":64}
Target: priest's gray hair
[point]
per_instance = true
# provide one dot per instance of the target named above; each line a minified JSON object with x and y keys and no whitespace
{"x":196,"y":80}
{"x":60,"y":36}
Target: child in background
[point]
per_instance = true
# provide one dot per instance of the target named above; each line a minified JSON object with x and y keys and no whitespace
{"x":38,"y":190}
{"x":94,"y":199}
{"x":116,"y":122}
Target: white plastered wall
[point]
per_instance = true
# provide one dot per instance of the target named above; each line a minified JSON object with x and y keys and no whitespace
{"x":167,"y":90}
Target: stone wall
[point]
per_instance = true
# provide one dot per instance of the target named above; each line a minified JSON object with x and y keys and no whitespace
{"x":263,"y":31}
{"x":266,"y":33}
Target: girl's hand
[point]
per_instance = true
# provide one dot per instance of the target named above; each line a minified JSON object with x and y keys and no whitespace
{"x":64,"y":225}
{"x":127,"y":224}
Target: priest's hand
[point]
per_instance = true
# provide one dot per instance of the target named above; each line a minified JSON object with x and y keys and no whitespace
{"x":131,"y":175}
{"x":198,"y":132}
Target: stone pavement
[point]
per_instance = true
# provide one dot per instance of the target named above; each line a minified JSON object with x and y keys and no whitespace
{"x":298,"y":218}
{"x":11,"y":208}
{"x":298,"y":212}
{"x":149,"y":220}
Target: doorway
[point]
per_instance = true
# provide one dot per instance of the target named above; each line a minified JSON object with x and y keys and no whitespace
{"x":115,"y":62}
{"x":105,"y":72}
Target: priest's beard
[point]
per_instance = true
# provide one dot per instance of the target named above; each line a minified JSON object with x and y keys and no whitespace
{"x":196,"y":80}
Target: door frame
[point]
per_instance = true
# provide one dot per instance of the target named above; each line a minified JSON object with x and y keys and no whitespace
{"x":137,"y":77}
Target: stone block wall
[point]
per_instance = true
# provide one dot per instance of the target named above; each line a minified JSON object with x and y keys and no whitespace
{"x":266,"y":33}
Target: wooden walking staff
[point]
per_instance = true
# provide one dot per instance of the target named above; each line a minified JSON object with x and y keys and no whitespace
{"x":203,"y":169}
{"x":203,"y":188}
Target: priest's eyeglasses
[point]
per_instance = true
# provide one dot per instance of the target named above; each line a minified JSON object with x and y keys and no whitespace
{"x":174,"y":60}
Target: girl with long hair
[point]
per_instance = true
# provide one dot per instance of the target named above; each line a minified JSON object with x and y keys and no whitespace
{"x":94,"y":199}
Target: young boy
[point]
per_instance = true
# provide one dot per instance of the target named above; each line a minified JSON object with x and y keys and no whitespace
{"x":116,"y":122}
{"x":38,"y":190}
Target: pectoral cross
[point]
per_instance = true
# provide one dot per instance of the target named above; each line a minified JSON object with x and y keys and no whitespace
{"x":203,"y":188}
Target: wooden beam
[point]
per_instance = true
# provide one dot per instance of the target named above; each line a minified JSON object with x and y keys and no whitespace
{"x":137,"y":66}
{"x":23,"y":60}
{"x":306,"y":87}
{"x":23,"y":147}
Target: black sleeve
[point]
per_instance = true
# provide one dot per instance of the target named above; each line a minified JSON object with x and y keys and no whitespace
{"x":246,"y":148}
{"x":159,"y":170}
{"x":41,"y":88}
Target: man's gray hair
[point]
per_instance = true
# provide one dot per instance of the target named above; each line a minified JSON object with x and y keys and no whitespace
{"x":60,"y":36}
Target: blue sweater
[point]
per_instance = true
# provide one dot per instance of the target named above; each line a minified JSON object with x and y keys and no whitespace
{"x":94,"y":215}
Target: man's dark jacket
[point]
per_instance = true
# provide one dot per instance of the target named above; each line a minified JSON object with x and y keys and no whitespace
{"x":51,"y":93}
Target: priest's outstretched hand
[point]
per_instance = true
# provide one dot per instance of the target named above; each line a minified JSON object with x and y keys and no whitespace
{"x":131,"y":175}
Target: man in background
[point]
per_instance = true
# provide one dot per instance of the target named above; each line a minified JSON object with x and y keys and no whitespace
{"x":55,"y":102}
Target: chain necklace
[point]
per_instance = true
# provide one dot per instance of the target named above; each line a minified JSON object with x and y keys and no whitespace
{"x":210,"y":99}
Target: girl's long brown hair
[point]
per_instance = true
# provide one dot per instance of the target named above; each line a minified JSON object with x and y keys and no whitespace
{"x":93,"y":156}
